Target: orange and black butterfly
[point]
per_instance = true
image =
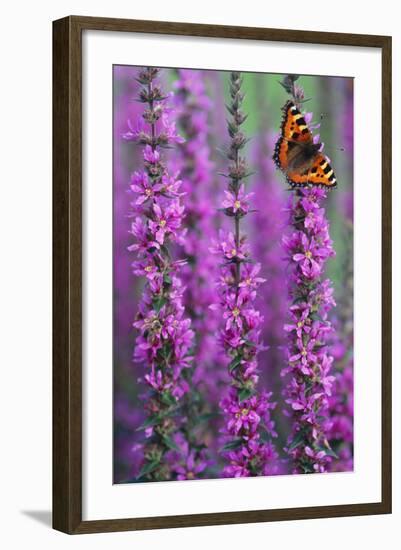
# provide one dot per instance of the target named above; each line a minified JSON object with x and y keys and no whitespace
{"x":298,"y":156}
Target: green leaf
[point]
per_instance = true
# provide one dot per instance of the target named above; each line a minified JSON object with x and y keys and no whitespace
{"x":234,"y":363}
{"x":250,"y":343}
{"x":168,"y":399}
{"x":245,"y":393}
{"x":329,"y":451}
{"x":148,"y":468}
{"x":159,"y":303}
{"x":231,"y":445}
{"x":170,"y":443}
{"x":296,"y":442}
{"x":205,"y":417}
{"x":264,"y":434}
{"x":165,"y":250}
{"x":151,"y":421}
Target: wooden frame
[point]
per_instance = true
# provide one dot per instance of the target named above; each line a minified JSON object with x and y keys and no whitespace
{"x":67,"y":278}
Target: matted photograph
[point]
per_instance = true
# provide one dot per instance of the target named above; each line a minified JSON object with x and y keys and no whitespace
{"x":232,"y":274}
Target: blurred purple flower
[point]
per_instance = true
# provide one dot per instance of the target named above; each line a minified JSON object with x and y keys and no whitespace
{"x":193,"y":160}
{"x":340,"y":431}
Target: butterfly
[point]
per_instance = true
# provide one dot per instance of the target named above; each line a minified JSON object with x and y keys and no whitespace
{"x":297,"y":155}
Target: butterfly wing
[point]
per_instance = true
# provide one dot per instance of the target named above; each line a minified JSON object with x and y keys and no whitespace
{"x":293,"y":129}
{"x":320,"y":174}
{"x":280,"y":155}
{"x":293,"y":125}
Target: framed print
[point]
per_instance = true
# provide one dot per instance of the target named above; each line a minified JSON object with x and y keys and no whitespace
{"x":222,"y":275}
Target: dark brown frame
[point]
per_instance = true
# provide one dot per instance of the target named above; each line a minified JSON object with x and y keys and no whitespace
{"x":67,"y":276}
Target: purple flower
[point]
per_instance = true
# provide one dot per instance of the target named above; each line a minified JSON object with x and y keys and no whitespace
{"x":146,"y":268}
{"x":246,"y":416}
{"x":301,"y":322}
{"x":231,"y":249}
{"x":253,"y":454}
{"x":238,"y":202}
{"x":319,"y":459}
{"x":314,"y":217}
{"x":171,"y":185}
{"x":238,"y":465}
{"x":304,"y":354}
{"x":158,"y":116}
{"x":166,"y":220}
{"x":191,"y":468}
{"x":243,"y":417}
{"x":170,"y":134}
{"x":143,"y":242}
{"x":232,"y":339}
{"x":150,"y":155}
{"x":249,"y":277}
{"x":134,"y":131}
{"x":156,"y":381}
{"x":233,"y":313}
{"x":310,"y":257}
{"x":141,"y":184}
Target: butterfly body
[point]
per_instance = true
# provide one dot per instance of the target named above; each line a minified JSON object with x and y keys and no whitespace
{"x":298,"y":156}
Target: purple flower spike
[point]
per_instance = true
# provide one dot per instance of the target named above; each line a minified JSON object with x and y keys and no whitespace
{"x":248,"y":431}
{"x":308,"y":329}
{"x":309,"y":381}
{"x":164,"y":334}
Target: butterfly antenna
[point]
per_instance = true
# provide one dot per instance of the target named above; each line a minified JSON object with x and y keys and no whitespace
{"x":342,"y":149}
{"x":330,"y":147}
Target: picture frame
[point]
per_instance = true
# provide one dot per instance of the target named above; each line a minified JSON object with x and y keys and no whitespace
{"x":68,"y":295}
